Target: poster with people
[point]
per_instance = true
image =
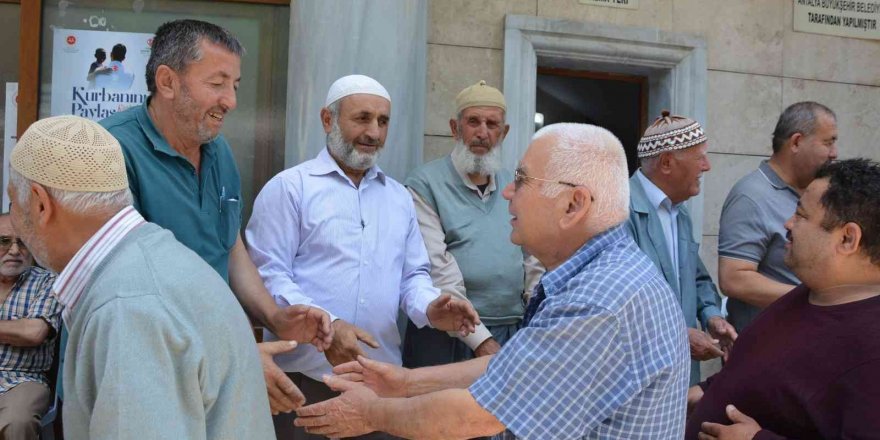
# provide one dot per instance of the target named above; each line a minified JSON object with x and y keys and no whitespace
{"x":98,"y":73}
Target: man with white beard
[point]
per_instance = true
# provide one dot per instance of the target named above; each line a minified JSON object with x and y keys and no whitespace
{"x":336,"y":233}
{"x":464,"y":222}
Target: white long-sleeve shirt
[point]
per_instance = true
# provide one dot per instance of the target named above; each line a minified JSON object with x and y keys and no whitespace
{"x":354,"y":251}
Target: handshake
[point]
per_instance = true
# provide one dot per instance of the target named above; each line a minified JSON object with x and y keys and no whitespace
{"x":340,"y":341}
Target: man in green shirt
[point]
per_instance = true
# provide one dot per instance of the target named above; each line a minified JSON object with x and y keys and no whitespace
{"x":183,"y":176}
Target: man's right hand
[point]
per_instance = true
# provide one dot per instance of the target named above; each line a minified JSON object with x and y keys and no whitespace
{"x":488,"y":347}
{"x":345,"y":346}
{"x":284,"y":396}
{"x":304,"y":324}
{"x":385,"y":379}
{"x":703,"y":347}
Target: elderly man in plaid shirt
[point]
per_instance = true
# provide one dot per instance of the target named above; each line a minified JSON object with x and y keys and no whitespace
{"x":29,"y":321}
{"x":603,"y":352}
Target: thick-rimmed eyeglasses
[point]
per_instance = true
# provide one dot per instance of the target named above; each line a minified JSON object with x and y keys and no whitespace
{"x":6,"y":243}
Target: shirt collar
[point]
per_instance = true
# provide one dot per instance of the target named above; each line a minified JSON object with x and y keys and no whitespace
{"x":72,"y":281}
{"x":655,"y":195}
{"x":774,"y":178}
{"x":326,"y":164}
{"x":158,"y":142}
{"x":467,"y":180}
{"x":556,"y":279}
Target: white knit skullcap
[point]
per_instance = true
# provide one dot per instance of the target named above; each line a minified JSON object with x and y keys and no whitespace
{"x":353,"y":85}
{"x":70,"y":153}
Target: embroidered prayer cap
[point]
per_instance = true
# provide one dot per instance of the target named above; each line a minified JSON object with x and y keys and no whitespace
{"x":670,"y":132}
{"x":72,"y":154}
{"x":353,"y":85}
{"x":479,"y":94}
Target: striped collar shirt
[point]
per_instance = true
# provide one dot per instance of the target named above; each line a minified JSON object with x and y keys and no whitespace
{"x":72,"y":281}
{"x":30,"y":298}
{"x":604,"y":357}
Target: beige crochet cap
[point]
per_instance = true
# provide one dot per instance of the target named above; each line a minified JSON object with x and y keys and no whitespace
{"x":479,"y":94}
{"x":70,"y":153}
{"x":670,"y":132}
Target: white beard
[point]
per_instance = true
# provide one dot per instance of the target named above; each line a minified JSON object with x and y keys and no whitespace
{"x":347,"y":153}
{"x":485,"y":165}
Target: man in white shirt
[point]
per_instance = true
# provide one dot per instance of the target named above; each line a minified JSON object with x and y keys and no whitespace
{"x":336,"y":233}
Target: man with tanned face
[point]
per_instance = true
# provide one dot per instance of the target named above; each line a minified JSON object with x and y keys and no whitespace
{"x":463,"y":219}
{"x":338,"y":234}
{"x":29,"y":320}
{"x":751,"y":238}
{"x":183,"y":177}
{"x":806,"y":368}
{"x":672,"y":158}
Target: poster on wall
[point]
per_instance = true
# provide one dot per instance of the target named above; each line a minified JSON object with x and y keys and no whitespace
{"x":843,"y":18}
{"x":98,"y":73}
{"x":9,"y":135}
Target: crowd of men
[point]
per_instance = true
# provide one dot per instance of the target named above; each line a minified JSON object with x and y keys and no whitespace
{"x":565,"y":299}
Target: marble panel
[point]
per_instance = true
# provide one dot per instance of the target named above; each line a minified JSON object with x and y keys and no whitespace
{"x":858,"y":121}
{"x":727,"y":169}
{"x":437,"y":147}
{"x":653,"y":14}
{"x":742,"y":112}
{"x":709,"y":255}
{"x":743,"y":35}
{"x":466,"y":23}
{"x":451,"y":69}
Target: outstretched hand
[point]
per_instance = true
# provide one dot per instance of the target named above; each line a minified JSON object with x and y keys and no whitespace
{"x":284,"y":396}
{"x":742,"y":428}
{"x":342,"y":416}
{"x":384,"y":379}
{"x":346,"y":343}
{"x":452,"y":314}
{"x":303,"y":324}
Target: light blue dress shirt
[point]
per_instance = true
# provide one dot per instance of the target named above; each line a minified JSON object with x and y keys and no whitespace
{"x":668,"y":214}
{"x":356,"y":252}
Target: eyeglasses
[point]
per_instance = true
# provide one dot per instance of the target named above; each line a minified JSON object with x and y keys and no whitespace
{"x":520,"y":177}
{"x":7,"y":241}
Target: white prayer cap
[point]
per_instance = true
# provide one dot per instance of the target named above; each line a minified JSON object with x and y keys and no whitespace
{"x":353,"y":85}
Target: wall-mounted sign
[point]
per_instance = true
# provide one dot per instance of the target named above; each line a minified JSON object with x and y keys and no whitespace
{"x":98,"y":73}
{"x":626,"y":4}
{"x":9,"y":137}
{"x":842,"y":18}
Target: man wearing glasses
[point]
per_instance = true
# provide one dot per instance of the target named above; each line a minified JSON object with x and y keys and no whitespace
{"x":463,"y":219}
{"x":29,"y":321}
{"x":603,"y":348}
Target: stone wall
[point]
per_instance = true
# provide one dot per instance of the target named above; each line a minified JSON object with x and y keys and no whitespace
{"x":757,"y":66}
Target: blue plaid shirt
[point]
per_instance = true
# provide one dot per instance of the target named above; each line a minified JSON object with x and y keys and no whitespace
{"x":30,"y":297}
{"x":604,"y":354}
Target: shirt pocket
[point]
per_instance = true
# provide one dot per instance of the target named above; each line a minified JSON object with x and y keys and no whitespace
{"x":230,"y":222}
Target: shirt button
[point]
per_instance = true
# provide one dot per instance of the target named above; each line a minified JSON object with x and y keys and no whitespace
{"x":366,"y":263}
{"x":363,"y":302}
